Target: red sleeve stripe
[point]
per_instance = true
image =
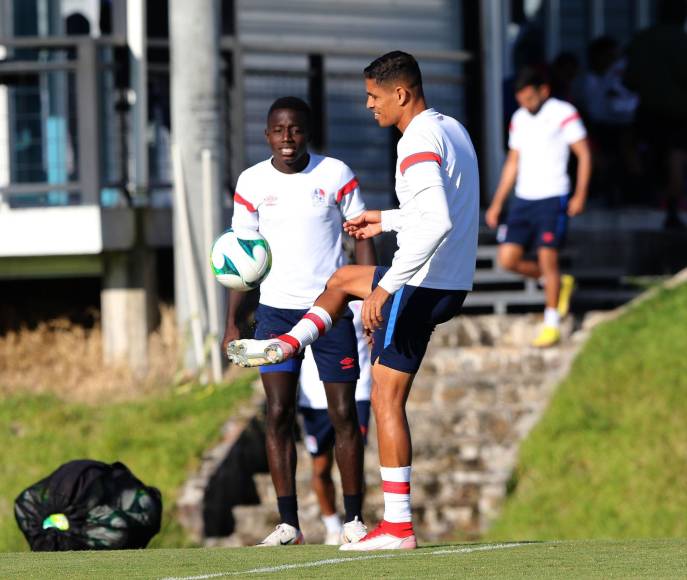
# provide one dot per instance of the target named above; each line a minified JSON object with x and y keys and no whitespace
{"x":242,"y":201}
{"x":569,"y":119}
{"x":317,"y":321}
{"x":418,"y":158}
{"x":396,"y":487}
{"x":346,"y":189}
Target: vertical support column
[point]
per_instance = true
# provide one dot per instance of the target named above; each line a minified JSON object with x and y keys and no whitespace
{"x":596,"y":14}
{"x":196,"y":125}
{"x":491,"y":19}
{"x":553,"y":28}
{"x":316,"y":96}
{"x":125,"y":304}
{"x":643,"y":14}
{"x":87,"y":101}
{"x":136,"y":39}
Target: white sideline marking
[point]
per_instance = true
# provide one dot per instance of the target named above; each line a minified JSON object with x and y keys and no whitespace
{"x":399,"y":554}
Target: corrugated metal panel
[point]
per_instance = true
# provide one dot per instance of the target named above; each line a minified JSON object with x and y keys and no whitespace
{"x":619,"y":19}
{"x":380,"y":26}
{"x":575,"y":27}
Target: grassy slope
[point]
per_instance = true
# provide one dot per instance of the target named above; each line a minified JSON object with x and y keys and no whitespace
{"x":159,"y":438}
{"x":609,"y":458}
{"x":597,"y":559}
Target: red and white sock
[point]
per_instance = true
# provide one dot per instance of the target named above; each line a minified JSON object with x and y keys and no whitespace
{"x":314,"y":324}
{"x":396,"y":488}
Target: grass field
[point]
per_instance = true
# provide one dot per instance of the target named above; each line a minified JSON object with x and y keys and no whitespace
{"x":609,"y":458}
{"x":159,"y":437}
{"x":550,"y":560}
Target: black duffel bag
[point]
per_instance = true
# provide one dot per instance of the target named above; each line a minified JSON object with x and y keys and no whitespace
{"x":89,"y":505}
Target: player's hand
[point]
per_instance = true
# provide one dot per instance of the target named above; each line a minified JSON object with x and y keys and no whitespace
{"x":231,"y":332}
{"x":491,"y":217}
{"x":367,"y":225}
{"x":372,"y":309}
{"x":576,"y":204}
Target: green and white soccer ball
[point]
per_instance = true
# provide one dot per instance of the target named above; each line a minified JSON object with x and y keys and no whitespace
{"x":240,"y":259}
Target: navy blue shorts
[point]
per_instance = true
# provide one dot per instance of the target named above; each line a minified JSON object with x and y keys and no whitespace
{"x":539,"y":223}
{"x":319,"y":431}
{"x":335,"y":353}
{"x":410,"y":316}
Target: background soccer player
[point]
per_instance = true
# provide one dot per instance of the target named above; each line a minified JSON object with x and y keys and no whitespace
{"x":320,"y":436}
{"x":541,"y":134}
{"x":298,"y":201}
{"x":437,"y":186}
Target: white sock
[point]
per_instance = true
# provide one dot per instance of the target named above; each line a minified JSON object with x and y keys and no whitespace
{"x":551,"y":317}
{"x":314,"y":323}
{"x":396,"y":487}
{"x":332,"y":523}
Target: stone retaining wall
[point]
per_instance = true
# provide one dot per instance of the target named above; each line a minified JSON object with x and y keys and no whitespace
{"x":479,"y":392}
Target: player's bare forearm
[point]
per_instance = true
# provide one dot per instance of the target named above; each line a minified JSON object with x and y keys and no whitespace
{"x":506,"y":183}
{"x":365,"y":252}
{"x":584,"y":171}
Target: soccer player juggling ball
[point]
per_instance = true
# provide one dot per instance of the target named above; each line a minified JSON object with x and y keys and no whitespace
{"x":298,"y":201}
{"x":432,"y":271}
{"x":541,"y":134}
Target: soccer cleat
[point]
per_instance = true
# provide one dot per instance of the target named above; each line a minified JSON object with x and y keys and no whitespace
{"x":353,"y":531}
{"x":254,"y":353}
{"x":565,"y":293}
{"x":548,"y":336}
{"x":283,"y":535}
{"x":381,"y":539}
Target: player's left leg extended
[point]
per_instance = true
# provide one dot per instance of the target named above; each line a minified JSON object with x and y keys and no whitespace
{"x":346,"y":284}
{"x":390,"y":392}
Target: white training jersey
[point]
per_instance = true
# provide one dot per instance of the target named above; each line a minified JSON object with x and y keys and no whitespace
{"x":300,"y":215}
{"x":543,"y":144}
{"x":437,"y":185}
{"x":311,"y":390}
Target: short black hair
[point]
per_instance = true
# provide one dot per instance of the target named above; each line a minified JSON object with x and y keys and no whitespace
{"x":293,"y":104}
{"x":529,"y":77}
{"x":394,"y":66}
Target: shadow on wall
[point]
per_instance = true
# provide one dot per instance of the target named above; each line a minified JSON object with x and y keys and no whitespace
{"x":232,"y":483}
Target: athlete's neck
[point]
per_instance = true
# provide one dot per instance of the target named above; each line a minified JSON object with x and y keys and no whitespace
{"x":414,"y":109}
{"x":290,"y":168}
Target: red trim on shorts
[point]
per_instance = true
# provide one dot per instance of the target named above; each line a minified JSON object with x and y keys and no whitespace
{"x":570,"y":118}
{"x":419,"y":158}
{"x":396,"y":487}
{"x":317,"y":321}
{"x":346,"y":189}
{"x":245,"y":202}
{"x":288,"y":339}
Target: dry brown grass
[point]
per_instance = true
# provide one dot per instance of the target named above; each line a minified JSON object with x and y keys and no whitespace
{"x":64,"y":358}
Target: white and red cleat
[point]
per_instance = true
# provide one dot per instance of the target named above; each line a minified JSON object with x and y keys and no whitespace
{"x":249,"y":352}
{"x":386,"y":536}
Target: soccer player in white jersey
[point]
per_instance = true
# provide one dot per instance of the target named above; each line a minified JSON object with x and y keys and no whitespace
{"x":437,"y":186}
{"x":320,"y":437}
{"x":298,"y":201}
{"x":542,"y":133}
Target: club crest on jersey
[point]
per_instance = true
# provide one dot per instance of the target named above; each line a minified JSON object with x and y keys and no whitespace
{"x":319,"y":197}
